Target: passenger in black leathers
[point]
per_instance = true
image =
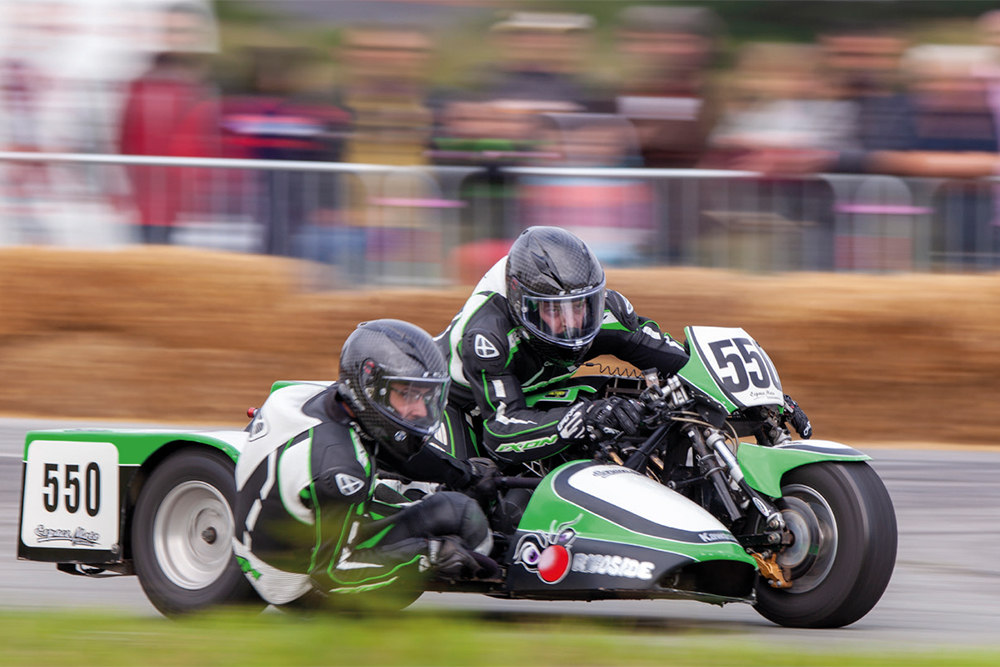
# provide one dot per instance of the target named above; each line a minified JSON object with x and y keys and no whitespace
{"x":314,"y":521}
{"x":530,"y":323}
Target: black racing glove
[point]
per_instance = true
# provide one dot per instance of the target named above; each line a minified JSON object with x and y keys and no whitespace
{"x":601,"y":418}
{"x":797,"y":418}
{"x":450,"y":560}
{"x":482,"y":480}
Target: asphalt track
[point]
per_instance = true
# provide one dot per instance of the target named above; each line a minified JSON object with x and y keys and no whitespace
{"x":945,"y":590}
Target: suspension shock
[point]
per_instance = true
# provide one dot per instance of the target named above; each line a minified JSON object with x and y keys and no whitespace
{"x":710,"y":467}
{"x":717,"y":442}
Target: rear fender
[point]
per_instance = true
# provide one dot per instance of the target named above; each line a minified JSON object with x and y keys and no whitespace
{"x":764,"y":467}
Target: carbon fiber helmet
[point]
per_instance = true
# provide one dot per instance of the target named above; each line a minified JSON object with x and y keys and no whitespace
{"x":395,"y":379}
{"x":555,"y":290}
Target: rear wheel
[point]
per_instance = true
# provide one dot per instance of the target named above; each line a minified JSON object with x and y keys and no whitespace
{"x":844,"y":551}
{"x":182,"y":533}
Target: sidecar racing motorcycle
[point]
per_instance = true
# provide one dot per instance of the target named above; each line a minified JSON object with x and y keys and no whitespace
{"x":713,"y":502}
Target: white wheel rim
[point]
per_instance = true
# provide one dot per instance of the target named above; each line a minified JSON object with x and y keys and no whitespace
{"x":192,"y":535}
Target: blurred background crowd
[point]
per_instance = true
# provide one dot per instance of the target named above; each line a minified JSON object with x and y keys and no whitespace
{"x":422,"y":135}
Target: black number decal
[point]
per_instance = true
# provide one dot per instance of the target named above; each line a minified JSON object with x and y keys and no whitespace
{"x":92,"y":481}
{"x":72,"y":482}
{"x":739,"y":382}
{"x":761,"y":380}
{"x":89,"y":492}
{"x":51,"y":501}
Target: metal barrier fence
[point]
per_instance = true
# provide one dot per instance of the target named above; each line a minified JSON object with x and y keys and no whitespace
{"x":384,"y":225}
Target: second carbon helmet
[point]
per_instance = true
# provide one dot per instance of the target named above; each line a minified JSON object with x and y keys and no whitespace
{"x":555,"y":289}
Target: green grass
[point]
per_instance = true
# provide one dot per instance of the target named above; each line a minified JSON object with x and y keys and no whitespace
{"x":414,"y":638}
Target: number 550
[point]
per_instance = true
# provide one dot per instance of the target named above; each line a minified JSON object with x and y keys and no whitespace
{"x":76,"y":489}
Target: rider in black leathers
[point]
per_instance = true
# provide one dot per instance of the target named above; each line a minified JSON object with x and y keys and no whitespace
{"x":532,"y":320}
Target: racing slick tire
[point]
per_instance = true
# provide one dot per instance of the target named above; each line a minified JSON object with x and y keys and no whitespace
{"x":845,"y":547}
{"x":182,"y":533}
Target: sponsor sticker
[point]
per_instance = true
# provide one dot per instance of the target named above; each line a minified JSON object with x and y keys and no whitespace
{"x":716,"y":536}
{"x":613,"y":566}
{"x":551,"y":557}
{"x":75,"y":538}
{"x":527,"y":444}
{"x":547,"y":554}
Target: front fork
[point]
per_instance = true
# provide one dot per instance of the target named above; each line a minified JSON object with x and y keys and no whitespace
{"x":713,"y":456}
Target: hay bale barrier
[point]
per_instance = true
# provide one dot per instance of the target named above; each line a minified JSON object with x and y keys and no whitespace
{"x":189,"y":336}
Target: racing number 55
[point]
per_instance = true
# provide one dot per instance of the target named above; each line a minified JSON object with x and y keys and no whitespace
{"x":89,"y":492}
{"x":743,"y":376}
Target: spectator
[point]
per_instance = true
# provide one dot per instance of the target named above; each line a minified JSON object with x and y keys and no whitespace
{"x":538,"y":69}
{"x":989,"y":35}
{"x":390,"y":220}
{"x":952,"y":107}
{"x":385,"y":91}
{"x":171,"y":111}
{"x":863,"y":66}
{"x":781,"y":110}
{"x":276,"y":121}
{"x":32,"y":93}
{"x":989,"y":32}
{"x":540,"y":61}
{"x":490,"y":134}
{"x":954,"y":118}
{"x":780,"y":104}
{"x":614,"y":216}
{"x":665,"y":91}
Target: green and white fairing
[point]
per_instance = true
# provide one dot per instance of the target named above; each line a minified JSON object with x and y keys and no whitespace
{"x":594,"y":531}
{"x":78,"y":484}
{"x":728,"y":366}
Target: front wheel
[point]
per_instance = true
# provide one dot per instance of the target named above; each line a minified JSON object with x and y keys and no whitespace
{"x":844,"y":550}
{"x":182,"y":534}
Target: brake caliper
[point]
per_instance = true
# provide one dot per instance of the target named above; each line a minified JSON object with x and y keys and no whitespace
{"x":771,"y":571}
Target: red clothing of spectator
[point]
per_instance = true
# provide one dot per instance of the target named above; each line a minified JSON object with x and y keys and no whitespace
{"x":168,"y":112}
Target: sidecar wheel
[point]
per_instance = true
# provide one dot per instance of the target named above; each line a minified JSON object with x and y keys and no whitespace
{"x":845,"y":550}
{"x":182,"y":535}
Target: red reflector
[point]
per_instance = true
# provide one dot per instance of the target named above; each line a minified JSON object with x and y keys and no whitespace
{"x":251,"y":412}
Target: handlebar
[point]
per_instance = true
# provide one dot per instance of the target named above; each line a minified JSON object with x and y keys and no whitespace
{"x":517,"y":482}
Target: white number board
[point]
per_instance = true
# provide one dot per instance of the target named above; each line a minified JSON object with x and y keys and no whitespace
{"x":70,"y":496}
{"x":740,"y":366}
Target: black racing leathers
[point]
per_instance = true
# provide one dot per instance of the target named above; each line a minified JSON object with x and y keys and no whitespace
{"x":307,"y":519}
{"x":493,"y":366}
